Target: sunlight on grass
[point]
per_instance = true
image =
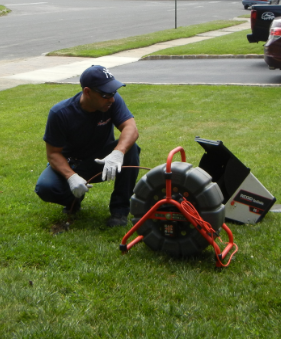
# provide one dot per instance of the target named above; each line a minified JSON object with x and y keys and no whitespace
{"x":234,"y":43}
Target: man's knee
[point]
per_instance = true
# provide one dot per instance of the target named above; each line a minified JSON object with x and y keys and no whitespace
{"x":43,"y":190}
{"x":49,"y":185}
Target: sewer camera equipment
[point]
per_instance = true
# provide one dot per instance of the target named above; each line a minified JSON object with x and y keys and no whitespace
{"x":181,"y":210}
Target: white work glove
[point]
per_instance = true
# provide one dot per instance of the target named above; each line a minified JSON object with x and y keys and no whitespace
{"x":78,"y":185}
{"x":111,"y":162}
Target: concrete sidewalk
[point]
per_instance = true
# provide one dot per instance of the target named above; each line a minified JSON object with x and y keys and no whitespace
{"x":43,"y":68}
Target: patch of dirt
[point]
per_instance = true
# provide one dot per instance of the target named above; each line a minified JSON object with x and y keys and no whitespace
{"x":60,"y":227}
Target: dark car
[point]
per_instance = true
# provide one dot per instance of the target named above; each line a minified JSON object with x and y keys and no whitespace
{"x":249,"y":3}
{"x":272,"y":48}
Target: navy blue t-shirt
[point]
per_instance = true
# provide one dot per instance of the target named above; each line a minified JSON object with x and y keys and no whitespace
{"x":83,"y":134}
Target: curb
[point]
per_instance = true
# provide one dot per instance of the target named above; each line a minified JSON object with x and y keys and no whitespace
{"x":203,"y":56}
{"x":174,"y":84}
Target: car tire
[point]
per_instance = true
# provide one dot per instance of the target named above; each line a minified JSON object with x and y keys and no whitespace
{"x":197,"y":187}
{"x":246,"y":7}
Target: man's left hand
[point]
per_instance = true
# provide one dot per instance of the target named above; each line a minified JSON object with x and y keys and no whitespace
{"x":112,"y":162}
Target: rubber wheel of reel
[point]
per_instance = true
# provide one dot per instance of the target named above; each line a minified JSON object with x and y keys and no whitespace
{"x":177,"y":238}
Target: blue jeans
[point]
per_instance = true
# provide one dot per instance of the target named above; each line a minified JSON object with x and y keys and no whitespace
{"x":53,"y":187}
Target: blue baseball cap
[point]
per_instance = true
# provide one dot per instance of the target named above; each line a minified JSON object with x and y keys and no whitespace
{"x":101,"y":78}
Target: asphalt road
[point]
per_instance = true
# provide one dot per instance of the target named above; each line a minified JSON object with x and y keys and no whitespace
{"x":34,"y":28}
{"x":205,"y":71}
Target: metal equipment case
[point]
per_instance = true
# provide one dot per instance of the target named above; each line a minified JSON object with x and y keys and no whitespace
{"x":246,"y":199}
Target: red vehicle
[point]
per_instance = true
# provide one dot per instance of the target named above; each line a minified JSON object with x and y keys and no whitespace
{"x":272,"y":48}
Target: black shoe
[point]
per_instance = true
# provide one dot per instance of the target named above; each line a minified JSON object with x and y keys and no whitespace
{"x":117,"y":220}
{"x":72,"y":210}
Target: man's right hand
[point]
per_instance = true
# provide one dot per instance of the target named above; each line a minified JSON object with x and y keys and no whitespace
{"x":78,"y":185}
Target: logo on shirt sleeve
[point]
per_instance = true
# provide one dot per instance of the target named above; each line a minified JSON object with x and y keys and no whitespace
{"x":102,"y":123}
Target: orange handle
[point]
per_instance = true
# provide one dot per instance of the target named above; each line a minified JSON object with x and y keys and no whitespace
{"x":168,"y":169}
{"x":170,"y":157}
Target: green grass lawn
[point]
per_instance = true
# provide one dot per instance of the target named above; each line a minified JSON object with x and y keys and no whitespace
{"x":78,"y":285}
{"x":99,"y":49}
{"x":234,"y":43}
{"x":4,"y":10}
